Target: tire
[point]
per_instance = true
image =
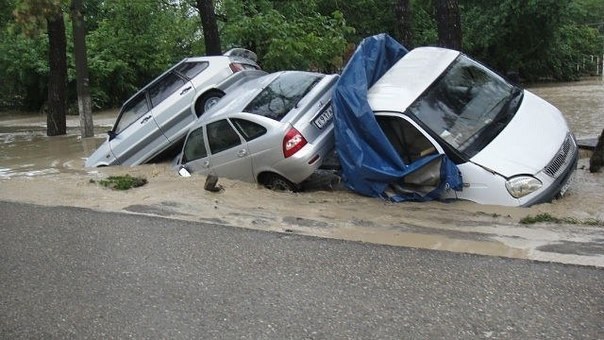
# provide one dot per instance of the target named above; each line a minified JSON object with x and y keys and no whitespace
{"x":207,"y":100}
{"x":278,"y":183}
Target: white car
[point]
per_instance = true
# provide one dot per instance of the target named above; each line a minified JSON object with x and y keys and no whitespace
{"x":275,"y":130}
{"x":159,"y":116}
{"x":511,"y":147}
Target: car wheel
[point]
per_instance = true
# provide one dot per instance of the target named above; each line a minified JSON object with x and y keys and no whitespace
{"x":278,"y":183}
{"x":205,"y":102}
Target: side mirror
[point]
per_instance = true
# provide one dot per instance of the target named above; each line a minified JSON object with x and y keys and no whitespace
{"x":111,"y":134}
{"x":184,"y":172}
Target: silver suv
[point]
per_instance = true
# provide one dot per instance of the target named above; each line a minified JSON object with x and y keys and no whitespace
{"x":159,"y":116}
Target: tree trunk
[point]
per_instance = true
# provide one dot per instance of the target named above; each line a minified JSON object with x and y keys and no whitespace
{"x":57,"y":78}
{"x":448,"y":22}
{"x":596,"y":161}
{"x":209,"y":27}
{"x":404,"y":33}
{"x":81,"y":63}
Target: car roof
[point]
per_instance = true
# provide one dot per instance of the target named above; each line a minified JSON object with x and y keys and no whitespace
{"x":406,"y":80}
{"x":233,"y":58}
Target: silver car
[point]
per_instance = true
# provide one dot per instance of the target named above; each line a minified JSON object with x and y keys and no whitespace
{"x":274,"y":130}
{"x":159,"y":116}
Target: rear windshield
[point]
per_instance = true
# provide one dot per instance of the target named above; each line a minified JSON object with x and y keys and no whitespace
{"x":282,"y":94}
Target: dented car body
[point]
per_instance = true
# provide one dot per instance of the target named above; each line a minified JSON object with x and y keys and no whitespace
{"x":444,"y":121}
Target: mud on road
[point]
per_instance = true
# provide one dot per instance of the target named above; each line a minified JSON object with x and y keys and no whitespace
{"x":49,"y":171}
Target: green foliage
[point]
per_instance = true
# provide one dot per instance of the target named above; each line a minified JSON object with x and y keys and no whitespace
{"x":310,"y":42}
{"x":367,"y":17}
{"x":23,"y":68}
{"x":122,"y":182}
{"x":535,"y":38}
{"x":131,"y":42}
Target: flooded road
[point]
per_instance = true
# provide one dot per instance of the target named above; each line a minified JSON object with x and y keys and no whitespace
{"x":45,"y":170}
{"x":581,"y":102}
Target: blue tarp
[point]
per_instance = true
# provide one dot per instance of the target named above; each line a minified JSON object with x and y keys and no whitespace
{"x":369,"y":162}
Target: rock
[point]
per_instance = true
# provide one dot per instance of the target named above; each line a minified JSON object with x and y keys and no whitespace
{"x":596,"y":162}
{"x":210,"y":185}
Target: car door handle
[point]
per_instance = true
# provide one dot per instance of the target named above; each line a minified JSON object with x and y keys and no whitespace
{"x":185,"y":90}
{"x":205,"y":164}
{"x":242,"y":153}
{"x":146,"y":119}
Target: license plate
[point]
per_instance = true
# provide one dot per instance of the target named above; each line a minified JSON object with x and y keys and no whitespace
{"x":324,"y":118}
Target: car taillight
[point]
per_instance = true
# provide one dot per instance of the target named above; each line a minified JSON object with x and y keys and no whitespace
{"x":292,"y":142}
{"x":236,"y":67}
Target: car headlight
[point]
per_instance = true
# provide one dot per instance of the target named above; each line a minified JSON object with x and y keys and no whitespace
{"x":522,"y":185}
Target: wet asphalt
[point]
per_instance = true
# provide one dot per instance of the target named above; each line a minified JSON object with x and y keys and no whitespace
{"x":77,"y":273}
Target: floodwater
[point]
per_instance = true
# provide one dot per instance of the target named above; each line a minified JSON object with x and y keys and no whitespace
{"x":45,"y":170}
{"x":25,"y":150}
{"x":581,"y":102}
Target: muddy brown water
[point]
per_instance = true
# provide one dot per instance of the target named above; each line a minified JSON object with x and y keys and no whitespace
{"x":45,"y":170}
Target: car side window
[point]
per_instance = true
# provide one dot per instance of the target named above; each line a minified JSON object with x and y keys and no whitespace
{"x":249,"y":130}
{"x":195,"y":147}
{"x":131,"y":112}
{"x":192,"y":69}
{"x":406,"y":139}
{"x":164,"y":88}
{"x":222,"y":136}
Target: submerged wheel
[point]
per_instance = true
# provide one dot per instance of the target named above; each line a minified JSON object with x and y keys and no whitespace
{"x":205,"y":102}
{"x":278,"y":183}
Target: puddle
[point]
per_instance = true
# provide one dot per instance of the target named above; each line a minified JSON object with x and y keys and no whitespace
{"x":45,"y":170}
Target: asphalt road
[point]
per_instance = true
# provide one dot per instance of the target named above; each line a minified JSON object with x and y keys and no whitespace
{"x":76,"y":273}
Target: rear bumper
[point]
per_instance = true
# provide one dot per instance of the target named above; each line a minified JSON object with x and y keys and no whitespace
{"x":303,"y":164}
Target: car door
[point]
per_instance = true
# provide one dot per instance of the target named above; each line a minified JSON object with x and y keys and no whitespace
{"x":135,"y":134}
{"x":412,"y":143}
{"x":171,"y":98}
{"x":229,"y":152}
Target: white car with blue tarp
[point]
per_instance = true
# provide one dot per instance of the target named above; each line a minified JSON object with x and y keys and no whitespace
{"x":432,"y":123}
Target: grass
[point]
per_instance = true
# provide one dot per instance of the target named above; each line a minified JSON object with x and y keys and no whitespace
{"x":124,"y":182}
{"x":547,"y":218}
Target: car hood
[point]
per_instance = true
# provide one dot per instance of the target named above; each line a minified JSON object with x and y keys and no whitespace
{"x":528,"y":142}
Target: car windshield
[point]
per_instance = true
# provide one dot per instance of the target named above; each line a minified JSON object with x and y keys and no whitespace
{"x":283,"y":94}
{"x":468,"y":106}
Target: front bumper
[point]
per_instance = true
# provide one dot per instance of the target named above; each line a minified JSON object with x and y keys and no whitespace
{"x":554,"y":189}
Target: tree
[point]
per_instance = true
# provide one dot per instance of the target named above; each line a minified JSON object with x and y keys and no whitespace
{"x":448,"y":22}
{"x":404,"y":30}
{"x":32,"y":15}
{"x":57,"y":78}
{"x":133,"y":42}
{"x":209,"y":27}
{"x":81,"y":62}
{"x":287,"y":37}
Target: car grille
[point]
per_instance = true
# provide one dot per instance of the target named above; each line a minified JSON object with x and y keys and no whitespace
{"x":562,"y":158}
